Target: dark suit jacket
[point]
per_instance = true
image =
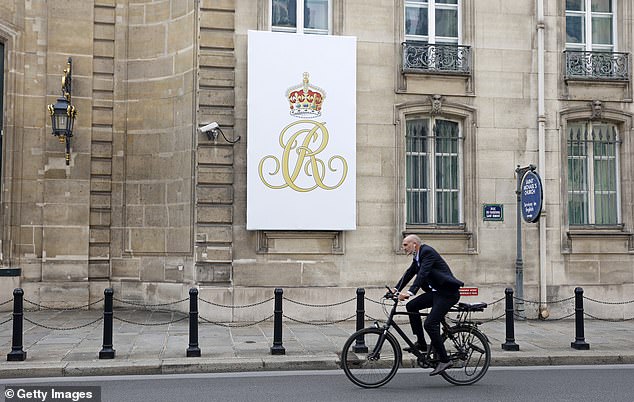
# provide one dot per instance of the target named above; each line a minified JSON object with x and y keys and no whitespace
{"x":431,"y":271}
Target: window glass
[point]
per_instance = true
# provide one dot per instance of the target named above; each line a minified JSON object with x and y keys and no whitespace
{"x":416,"y":21}
{"x":434,"y":156}
{"x":592,"y":174}
{"x":316,"y":14}
{"x":575,"y":29}
{"x":447,"y":23}
{"x":575,"y":5}
{"x":592,"y":16}
{"x":604,"y":6}
{"x":301,"y":16}
{"x":284,"y":13}
{"x":417,"y":132}
{"x":433,"y":21}
{"x":602,"y":30}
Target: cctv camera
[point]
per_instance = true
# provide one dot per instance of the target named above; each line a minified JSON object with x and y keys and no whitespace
{"x":208,"y":127}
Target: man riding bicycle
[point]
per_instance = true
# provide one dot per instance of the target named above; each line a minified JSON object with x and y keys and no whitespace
{"x":441,"y":292}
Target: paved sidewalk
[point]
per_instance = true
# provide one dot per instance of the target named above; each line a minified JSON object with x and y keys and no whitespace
{"x":143,"y":347}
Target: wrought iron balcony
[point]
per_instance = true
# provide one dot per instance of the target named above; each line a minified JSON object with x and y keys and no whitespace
{"x":606,"y":66}
{"x":421,"y":57}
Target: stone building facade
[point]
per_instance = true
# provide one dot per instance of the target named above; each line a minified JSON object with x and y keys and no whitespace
{"x":151,"y":206}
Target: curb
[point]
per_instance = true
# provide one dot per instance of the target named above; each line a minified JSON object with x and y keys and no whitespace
{"x":269,"y":363}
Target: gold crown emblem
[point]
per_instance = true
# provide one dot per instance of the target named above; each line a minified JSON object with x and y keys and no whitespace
{"x":305,"y":100}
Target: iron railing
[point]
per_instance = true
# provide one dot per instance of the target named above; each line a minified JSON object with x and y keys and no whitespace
{"x":421,"y":57}
{"x":583,"y":65}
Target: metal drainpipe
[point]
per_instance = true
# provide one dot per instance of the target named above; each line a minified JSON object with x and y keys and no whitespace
{"x":541,"y":122}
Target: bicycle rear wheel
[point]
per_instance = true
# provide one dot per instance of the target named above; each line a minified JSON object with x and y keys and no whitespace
{"x":373,"y":365}
{"x":469,"y":351}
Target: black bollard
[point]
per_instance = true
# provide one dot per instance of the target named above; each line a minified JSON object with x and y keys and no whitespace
{"x":193,"y":350}
{"x":359,"y":344}
{"x":277,"y":348}
{"x":580,"y":342}
{"x":17,"y":354}
{"x":107,"y":352}
{"x":510,"y":323}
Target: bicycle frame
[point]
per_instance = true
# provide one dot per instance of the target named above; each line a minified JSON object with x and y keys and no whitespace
{"x":374,"y":364}
{"x":463,"y":319}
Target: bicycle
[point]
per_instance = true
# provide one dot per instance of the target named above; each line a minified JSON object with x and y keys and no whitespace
{"x":371,"y":356}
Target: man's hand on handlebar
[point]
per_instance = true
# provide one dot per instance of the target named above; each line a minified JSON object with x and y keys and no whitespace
{"x":393,"y":293}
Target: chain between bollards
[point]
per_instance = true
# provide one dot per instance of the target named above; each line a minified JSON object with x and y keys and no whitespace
{"x":193,"y":350}
{"x":17,"y":354}
{"x":107,"y":352}
{"x":580,"y":342}
{"x":510,"y":344}
{"x":277,"y":348}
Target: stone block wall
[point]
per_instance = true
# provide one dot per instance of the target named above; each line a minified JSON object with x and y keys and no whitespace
{"x":151,"y":206}
{"x":215,"y":156}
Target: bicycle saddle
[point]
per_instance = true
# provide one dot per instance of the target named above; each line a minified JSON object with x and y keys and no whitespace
{"x":472,"y":306}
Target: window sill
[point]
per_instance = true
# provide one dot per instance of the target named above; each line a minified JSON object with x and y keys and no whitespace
{"x":300,"y":242}
{"x":599,"y":240}
{"x":579,"y":88}
{"x":446,"y":239}
{"x":434,"y":82}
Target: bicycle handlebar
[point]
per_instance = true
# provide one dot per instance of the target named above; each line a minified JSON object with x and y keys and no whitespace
{"x":390,"y":294}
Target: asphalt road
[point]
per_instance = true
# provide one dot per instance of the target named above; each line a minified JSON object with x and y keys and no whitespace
{"x":547,"y":383}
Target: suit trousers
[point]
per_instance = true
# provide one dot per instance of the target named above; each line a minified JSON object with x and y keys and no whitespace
{"x":440,"y":305}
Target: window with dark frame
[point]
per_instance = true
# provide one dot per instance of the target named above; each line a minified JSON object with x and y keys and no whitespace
{"x":433,"y":171}
{"x":593,"y":174}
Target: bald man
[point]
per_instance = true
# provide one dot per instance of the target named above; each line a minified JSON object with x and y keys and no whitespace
{"x":441,"y":290}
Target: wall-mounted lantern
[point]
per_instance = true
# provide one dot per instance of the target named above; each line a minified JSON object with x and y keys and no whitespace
{"x":63,"y":112}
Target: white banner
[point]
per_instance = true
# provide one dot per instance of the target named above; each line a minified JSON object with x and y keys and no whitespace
{"x":301,"y":128}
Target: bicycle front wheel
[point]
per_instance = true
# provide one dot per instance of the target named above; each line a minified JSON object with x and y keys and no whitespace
{"x":469,"y":351}
{"x":369,"y":359}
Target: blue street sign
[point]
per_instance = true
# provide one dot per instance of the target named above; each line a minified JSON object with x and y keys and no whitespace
{"x":531,"y":197}
{"x":493,"y":212}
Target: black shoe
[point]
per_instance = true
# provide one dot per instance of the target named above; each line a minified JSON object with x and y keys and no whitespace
{"x":417,"y":349}
{"x":442,"y":366}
